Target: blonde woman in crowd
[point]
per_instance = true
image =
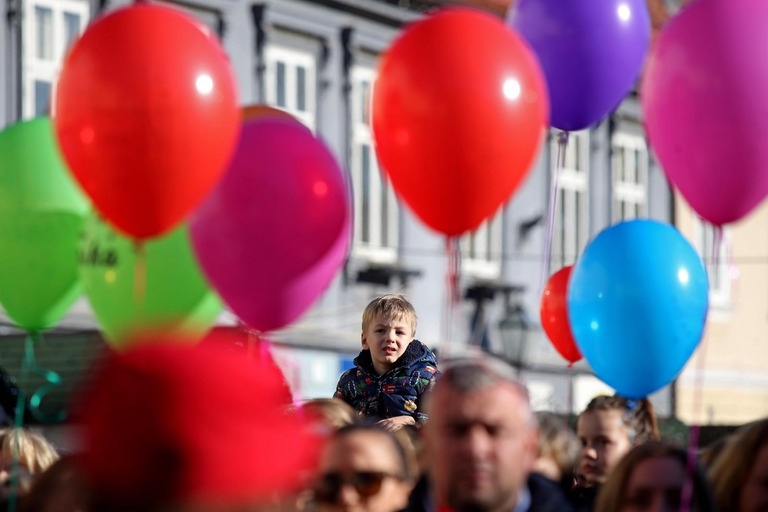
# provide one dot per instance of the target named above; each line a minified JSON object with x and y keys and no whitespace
{"x":739,"y":473}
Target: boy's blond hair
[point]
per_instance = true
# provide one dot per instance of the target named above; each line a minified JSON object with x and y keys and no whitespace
{"x":390,"y":307}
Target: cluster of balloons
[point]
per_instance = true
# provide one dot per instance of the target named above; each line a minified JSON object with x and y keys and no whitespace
{"x":154,"y":136}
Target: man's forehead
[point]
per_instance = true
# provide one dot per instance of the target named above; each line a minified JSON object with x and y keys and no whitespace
{"x":499,"y":402}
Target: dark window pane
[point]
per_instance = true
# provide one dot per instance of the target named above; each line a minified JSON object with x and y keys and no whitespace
{"x":365,"y":88}
{"x":44,"y":26}
{"x":42,"y":97}
{"x":384,"y":214}
{"x":281,"y":84}
{"x":366,"y":199}
{"x":301,"y":89}
{"x":71,"y":27}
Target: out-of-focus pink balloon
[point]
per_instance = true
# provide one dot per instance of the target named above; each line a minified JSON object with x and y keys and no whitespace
{"x":273,"y":234}
{"x":706,"y":108}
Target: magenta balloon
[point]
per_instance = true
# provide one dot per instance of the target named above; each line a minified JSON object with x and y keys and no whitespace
{"x":705,"y":103}
{"x":273,"y":234}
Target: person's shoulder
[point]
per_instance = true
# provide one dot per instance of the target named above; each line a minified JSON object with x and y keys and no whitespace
{"x":349,"y":375}
{"x":546,"y":495}
{"x":425,"y":362}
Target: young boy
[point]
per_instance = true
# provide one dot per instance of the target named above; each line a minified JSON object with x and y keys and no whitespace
{"x":393,"y":370}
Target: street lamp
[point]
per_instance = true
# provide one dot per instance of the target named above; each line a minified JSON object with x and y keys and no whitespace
{"x":514,"y":328}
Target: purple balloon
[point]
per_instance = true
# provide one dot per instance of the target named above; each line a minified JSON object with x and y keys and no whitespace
{"x":591,"y":52}
{"x":273,"y":234}
{"x":705,"y":105}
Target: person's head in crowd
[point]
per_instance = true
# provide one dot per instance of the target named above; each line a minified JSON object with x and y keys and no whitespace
{"x":481,"y":438}
{"x":607,"y":429}
{"x":710,"y":452}
{"x":739,"y":474}
{"x":558,"y":447}
{"x":362,"y":468}
{"x":32,"y":451}
{"x":331,"y":413}
{"x":389,"y":326}
{"x":60,"y":488}
{"x":169,"y":426}
{"x":651,"y":478}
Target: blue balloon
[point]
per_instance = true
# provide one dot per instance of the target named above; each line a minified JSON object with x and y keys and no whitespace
{"x":637,"y":304}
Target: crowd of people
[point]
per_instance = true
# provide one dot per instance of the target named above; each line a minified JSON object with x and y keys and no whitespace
{"x":222,"y":434}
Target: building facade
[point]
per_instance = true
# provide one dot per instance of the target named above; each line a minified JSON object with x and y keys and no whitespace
{"x":317,"y":59}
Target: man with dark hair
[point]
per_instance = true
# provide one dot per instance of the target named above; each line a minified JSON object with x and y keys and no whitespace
{"x":481,"y":441}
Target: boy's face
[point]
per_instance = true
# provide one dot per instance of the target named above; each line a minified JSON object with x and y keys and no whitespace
{"x":604,"y":440}
{"x":387,"y":339}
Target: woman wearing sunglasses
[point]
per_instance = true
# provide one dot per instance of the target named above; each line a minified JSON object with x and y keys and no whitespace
{"x":363,"y":468}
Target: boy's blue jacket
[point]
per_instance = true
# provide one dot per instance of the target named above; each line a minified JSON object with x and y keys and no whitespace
{"x":395,"y":393}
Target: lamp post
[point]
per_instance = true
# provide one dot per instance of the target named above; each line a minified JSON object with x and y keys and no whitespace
{"x":514,"y":328}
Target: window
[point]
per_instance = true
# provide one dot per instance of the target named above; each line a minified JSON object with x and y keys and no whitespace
{"x":376,"y":208}
{"x":50,"y":28}
{"x":481,"y":250}
{"x":571,"y":225}
{"x":629,"y":164}
{"x":716,"y":263}
{"x":290,"y":82}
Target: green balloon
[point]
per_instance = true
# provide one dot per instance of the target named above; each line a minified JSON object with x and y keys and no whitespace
{"x":177,"y":301}
{"x":41,"y":218}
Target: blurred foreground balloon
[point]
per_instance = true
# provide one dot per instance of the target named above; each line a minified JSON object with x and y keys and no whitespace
{"x":169,"y":425}
{"x":554,"y":315}
{"x":41,"y":216}
{"x":259,"y":111}
{"x":706,"y":109}
{"x":591,"y":53}
{"x":637,"y":303}
{"x":146,"y":115}
{"x":273,"y":234}
{"x":457,"y":130}
{"x":176,"y":299}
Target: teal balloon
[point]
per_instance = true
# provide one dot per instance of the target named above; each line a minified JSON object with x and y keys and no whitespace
{"x":41,"y":218}
{"x":171,"y":299}
{"x":637,"y":305}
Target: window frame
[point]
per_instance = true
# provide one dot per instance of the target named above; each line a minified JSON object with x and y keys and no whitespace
{"x":35,"y":69}
{"x":293,"y":59}
{"x":374,"y":249}
{"x":632,"y":191}
{"x":570,"y":230}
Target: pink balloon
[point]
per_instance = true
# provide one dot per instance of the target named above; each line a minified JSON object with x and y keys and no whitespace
{"x":705,"y":104}
{"x":273,"y":234}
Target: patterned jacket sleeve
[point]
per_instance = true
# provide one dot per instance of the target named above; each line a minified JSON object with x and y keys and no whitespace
{"x":428,"y":375}
{"x":342,"y":391}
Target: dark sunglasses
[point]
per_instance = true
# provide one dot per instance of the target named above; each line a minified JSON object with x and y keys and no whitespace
{"x":366,"y":484}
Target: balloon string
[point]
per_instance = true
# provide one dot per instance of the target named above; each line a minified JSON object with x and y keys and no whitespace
{"x":452,"y":276}
{"x":139,"y":276}
{"x":562,"y":146}
{"x":629,"y":419}
{"x":52,"y":381}
{"x":18,"y":422}
{"x":569,"y":410}
{"x":733,"y":269}
{"x":695,"y":428}
{"x":29,"y":366}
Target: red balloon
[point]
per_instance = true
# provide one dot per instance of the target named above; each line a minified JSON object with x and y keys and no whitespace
{"x":457,"y":129}
{"x":146,"y":115}
{"x":554,"y":315}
